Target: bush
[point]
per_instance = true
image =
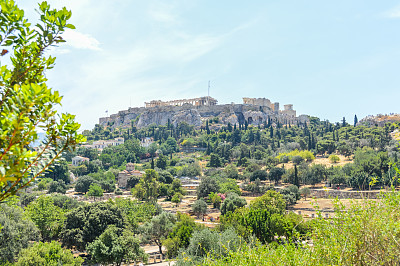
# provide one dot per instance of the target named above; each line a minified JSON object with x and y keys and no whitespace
{"x":206,"y":241}
{"x":57,"y":187}
{"x":366,"y":234}
{"x":231,"y":203}
{"x":334,"y":158}
{"x":47,"y":254}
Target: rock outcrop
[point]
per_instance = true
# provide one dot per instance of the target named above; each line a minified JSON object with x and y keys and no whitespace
{"x":195,"y":115}
{"x":158,"y":116}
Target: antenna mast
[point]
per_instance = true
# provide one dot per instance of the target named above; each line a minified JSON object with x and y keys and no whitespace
{"x":208,"y":98}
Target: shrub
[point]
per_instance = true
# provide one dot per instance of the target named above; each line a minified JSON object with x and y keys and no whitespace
{"x":334,"y":158}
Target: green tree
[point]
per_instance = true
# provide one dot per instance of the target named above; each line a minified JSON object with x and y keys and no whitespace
{"x":162,"y":162}
{"x":207,"y":185}
{"x":231,"y":171}
{"x":115,"y":245}
{"x":199,"y":207}
{"x":305,"y":191}
{"x":180,"y":235}
{"x":147,"y":189}
{"x":177,"y":198}
{"x":58,"y":187}
{"x":85,"y":223}
{"x":58,"y":171}
{"x":215,"y":199}
{"x":16,"y":232}
{"x":276,"y":173}
{"x":95,"y":191}
{"x":215,"y":160}
{"x":158,"y":228}
{"x":47,"y":217}
{"x":47,"y":254}
{"x":26,"y":103}
{"x":231,"y":203}
{"x":334,"y":158}
{"x":83,"y":184}
{"x":271,"y":201}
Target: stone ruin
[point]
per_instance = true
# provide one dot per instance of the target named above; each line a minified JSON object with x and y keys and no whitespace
{"x":254,"y":111}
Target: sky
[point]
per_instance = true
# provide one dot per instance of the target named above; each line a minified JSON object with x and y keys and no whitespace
{"x":330,"y":59}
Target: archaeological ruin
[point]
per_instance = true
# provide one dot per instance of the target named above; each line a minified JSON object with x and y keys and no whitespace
{"x":254,"y":111}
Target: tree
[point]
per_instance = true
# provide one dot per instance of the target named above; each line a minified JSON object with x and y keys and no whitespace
{"x":180,"y":235}
{"x":305,"y":191}
{"x":158,"y":228}
{"x":47,"y":217}
{"x":147,"y":189}
{"x":334,"y":158}
{"x":115,"y":245}
{"x":355,"y":120}
{"x":215,"y":161}
{"x":207,"y":185}
{"x":177,"y":198}
{"x":259,"y":174}
{"x":58,"y":171}
{"x":271,"y":201}
{"x":64,"y":202}
{"x":26,"y":103}
{"x":231,"y":203}
{"x":85,"y":223}
{"x":215,"y":199}
{"x":95,"y":191}
{"x":231,"y":171}
{"x":276,"y":174}
{"x":208,"y":241}
{"x":57,"y":187}
{"x":83,"y":184}
{"x":16,"y":232}
{"x":199,"y":207}
{"x":162,"y":162}
{"x":47,"y":254}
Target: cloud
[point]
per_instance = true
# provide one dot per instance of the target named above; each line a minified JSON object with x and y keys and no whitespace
{"x":392,"y":13}
{"x":80,"y":40}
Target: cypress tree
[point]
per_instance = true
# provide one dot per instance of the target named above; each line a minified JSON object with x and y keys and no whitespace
{"x":296,"y":178}
{"x":355,"y":120}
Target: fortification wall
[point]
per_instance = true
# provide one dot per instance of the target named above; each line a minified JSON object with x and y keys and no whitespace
{"x":194,"y":115}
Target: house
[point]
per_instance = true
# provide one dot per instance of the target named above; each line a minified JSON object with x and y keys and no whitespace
{"x":124,"y":175}
{"x":77,"y":160}
{"x":101,"y":144}
{"x":146,"y":142}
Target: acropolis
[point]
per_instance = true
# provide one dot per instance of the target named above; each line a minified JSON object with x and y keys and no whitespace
{"x":202,"y":101}
{"x":195,"y":111}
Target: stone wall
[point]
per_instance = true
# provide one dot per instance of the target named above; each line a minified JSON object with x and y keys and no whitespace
{"x":194,"y":115}
{"x":343,"y":194}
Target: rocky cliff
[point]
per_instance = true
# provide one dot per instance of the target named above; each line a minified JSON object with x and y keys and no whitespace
{"x":195,"y":115}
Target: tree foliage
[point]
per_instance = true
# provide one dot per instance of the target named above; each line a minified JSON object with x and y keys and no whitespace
{"x":85,"y":223}
{"x":15,"y":233}
{"x":115,"y":245}
{"x":47,"y":254}
{"x":26,"y":103}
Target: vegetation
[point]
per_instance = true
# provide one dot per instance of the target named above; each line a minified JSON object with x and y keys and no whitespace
{"x":26,"y":103}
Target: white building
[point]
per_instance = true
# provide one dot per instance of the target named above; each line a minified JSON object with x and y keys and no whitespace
{"x":101,"y":144}
{"x":77,"y":160}
{"x":146,"y":142}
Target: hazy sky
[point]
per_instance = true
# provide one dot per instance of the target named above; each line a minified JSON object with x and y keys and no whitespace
{"x":328,"y":58}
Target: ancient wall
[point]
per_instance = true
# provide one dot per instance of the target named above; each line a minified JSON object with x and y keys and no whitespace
{"x":195,"y":115}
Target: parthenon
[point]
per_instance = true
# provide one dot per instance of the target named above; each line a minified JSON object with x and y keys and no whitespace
{"x":201,"y":101}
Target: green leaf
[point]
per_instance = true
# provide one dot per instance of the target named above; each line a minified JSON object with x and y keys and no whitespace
{"x":70,"y":26}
